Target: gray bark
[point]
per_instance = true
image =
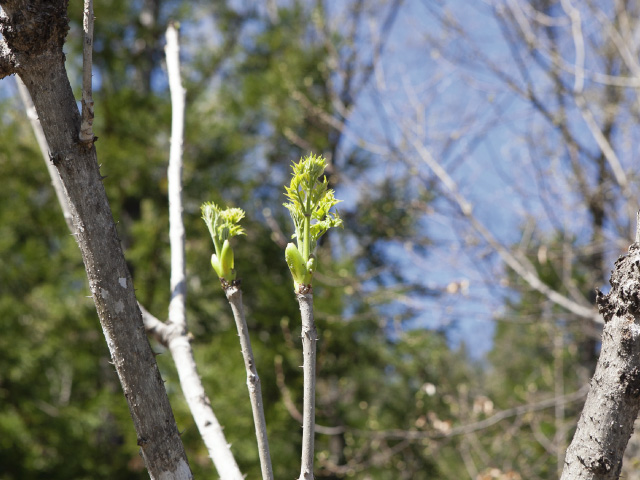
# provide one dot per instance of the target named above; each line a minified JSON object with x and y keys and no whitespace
{"x":613,"y":402}
{"x":309,"y":339}
{"x":234,"y":295}
{"x":34,"y":33}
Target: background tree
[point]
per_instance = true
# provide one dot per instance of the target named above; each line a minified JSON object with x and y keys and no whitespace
{"x":487,"y":172}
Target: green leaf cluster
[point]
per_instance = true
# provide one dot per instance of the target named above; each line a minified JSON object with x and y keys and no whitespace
{"x":50,"y":328}
{"x":223,"y":225}
{"x":310,"y":200}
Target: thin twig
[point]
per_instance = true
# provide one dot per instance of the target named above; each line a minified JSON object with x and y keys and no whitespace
{"x":309,"y":339}
{"x":234,"y":295}
{"x":518,"y":263}
{"x":86,"y":128}
{"x":479,"y":425}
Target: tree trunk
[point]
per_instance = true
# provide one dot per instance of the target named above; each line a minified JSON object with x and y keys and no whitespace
{"x":613,"y":402}
{"x":34,"y":32}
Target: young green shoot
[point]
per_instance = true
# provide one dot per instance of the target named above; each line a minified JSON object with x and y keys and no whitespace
{"x":310,"y":202}
{"x":223,"y":225}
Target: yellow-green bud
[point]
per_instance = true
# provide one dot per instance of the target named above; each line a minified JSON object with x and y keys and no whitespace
{"x":296,"y":264}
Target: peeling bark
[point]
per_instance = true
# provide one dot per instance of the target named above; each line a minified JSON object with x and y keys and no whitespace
{"x":613,"y":402}
{"x":34,"y":32}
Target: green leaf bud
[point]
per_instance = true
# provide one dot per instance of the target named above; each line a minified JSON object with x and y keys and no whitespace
{"x":215,"y":263}
{"x":296,"y":264}
{"x":226,"y":262}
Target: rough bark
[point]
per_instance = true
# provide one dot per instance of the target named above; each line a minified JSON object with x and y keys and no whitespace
{"x":613,"y":402}
{"x":34,"y":32}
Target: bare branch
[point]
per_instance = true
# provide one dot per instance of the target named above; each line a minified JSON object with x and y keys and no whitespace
{"x":613,"y":402}
{"x":159,"y":330}
{"x":177,"y":338}
{"x":86,"y":128}
{"x":603,"y":144}
{"x":234,"y":295}
{"x":177,"y":305}
{"x":578,"y":41}
{"x":309,"y":339}
{"x":619,"y":41}
{"x":517,"y":263}
{"x":482,"y":424}
{"x":578,"y":70}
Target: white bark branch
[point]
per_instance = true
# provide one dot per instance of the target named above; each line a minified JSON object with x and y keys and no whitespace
{"x":578,"y":70}
{"x":86,"y":128}
{"x":309,"y":339}
{"x":179,"y":344}
{"x":234,"y":295}
{"x":155,"y":327}
{"x":177,"y":305}
{"x":200,"y":406}
{"x":578,"y":42}
{"x":175,"y":332}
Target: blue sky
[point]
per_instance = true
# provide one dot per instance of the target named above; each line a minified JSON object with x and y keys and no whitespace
{"x":444,"y":88}
{"x":436,"y":85}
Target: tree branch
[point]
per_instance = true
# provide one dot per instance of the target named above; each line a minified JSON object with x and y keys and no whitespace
{"x":519,"y":265}
{"x":86,"y":128}
{"x":177,"y":305}
{"x":613,"y":403}
{"x":479,"y":425}
{"x":234,"y":295}
{"x":44,"y":149}
{"x":175,"y":334}
{"x":35,"y":33}
{"x":309,"y":339}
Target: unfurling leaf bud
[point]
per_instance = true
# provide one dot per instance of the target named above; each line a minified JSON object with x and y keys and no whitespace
{"x":312,"y":264}
{"x":296,"y":265}
{"x":226,"y":262}
{"x":215,"y":263}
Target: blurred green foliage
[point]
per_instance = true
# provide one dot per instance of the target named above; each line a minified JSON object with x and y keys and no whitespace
{"x":62,"y":413}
